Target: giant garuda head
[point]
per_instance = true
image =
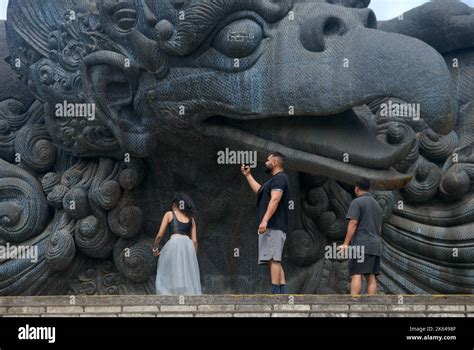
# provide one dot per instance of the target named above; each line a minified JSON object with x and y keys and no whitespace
{"x":294,"y":76}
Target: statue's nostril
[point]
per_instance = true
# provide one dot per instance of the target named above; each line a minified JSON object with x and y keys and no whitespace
{"x":368,"y":18}
{"x":312,"y":38}
{"x":315,"y":31}
{"x":334,"y":26}
{"x":372,"y":20}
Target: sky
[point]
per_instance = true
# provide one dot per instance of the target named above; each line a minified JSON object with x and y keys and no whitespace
{"x":388,"y":9}
{"x":384,"y":9}
{"x":3,"y":9}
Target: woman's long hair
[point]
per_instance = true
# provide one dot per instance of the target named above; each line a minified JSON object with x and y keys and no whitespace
{"x":185,"y":204}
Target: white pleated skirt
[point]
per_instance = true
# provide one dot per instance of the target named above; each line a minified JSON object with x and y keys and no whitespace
{"x":178,"y":268}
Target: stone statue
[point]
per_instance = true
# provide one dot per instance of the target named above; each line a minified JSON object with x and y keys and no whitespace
{"x":132,"y":100}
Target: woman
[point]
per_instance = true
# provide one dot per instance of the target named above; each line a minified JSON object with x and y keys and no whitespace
{"x":178,"y":269}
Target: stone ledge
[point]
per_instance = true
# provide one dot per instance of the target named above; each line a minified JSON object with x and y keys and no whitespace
{"x":25,"y":310}
{"x":106,"y":309}
{"x":64,"y":309}
{"x":336,"y":308}
{"x":140,"y":308}
{"x":239,"y":306}
{"x":257,"y":299}
{"x":216,"y":308}
{"x":406,"y":308}
{"x":438,"y":308}
{"x":368,"y":307}
{"x":329,"y":314}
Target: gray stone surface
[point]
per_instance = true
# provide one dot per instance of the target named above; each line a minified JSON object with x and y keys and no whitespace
{"x":329,"y":62}
{"x":240,"y":306}
{"x":11,"y":87}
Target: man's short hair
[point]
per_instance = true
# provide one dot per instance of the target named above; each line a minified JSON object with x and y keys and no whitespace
{"x":279,"y":156}
{"x":363,"y":184}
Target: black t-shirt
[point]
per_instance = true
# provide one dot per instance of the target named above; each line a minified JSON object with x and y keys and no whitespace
{"x":279,"y":220}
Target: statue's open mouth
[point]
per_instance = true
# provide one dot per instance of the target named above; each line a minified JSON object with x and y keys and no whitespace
{"x":343,"y":146}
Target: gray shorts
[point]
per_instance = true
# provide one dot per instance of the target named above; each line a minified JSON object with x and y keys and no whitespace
{"x":270,"y":246}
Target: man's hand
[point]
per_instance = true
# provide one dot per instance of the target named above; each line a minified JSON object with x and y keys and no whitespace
{"x":156,"y":252}
{"x":343,"y":248}
{"x":351,"y":230}
{"x":245,"y":170}
{"x":254,"y":185}
{"x":263,"y":227}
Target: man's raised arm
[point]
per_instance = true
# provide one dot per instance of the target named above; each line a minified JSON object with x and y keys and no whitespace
{"x":254,"y":185}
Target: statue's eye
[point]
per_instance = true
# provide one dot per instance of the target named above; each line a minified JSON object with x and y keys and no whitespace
{"x":239,"y":39}
{"x":46,"y":74}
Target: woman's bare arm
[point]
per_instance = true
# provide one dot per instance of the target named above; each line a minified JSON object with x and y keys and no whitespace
{"x":194,"y":235}
{"x":164,"y":225}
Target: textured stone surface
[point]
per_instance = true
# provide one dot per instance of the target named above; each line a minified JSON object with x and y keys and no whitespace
{"x":24,"y":310}
{"x":329,"y":314}
{"x":109,"y":309}
{"x":11,"y":87}
{"x":242,"y":306}
{"x":404,"y":308}
{"x":216,"y":308}
{"x":64,"y":309}
{"x":174,"y":315}
{"x":330,"y":307}
{"x":446,"y":308}
{"x":178,"y":308}
{"x":252,"y":314}
{"x":253,"y":308}
{"x":291,"y":308}
{"x":140,"y":308}
{"x":368,"y":307}
{"x":329,"y":63}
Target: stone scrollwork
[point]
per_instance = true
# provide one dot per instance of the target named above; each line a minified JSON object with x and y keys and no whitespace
{"x":133,"y":100}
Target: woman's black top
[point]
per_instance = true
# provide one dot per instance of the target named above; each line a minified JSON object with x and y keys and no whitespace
{"x":177,"y":226}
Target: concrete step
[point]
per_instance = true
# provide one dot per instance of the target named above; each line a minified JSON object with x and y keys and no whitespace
{"x":239,"y":306}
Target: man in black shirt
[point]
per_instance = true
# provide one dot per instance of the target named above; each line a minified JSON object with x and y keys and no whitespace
{"x":272,"y":217}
